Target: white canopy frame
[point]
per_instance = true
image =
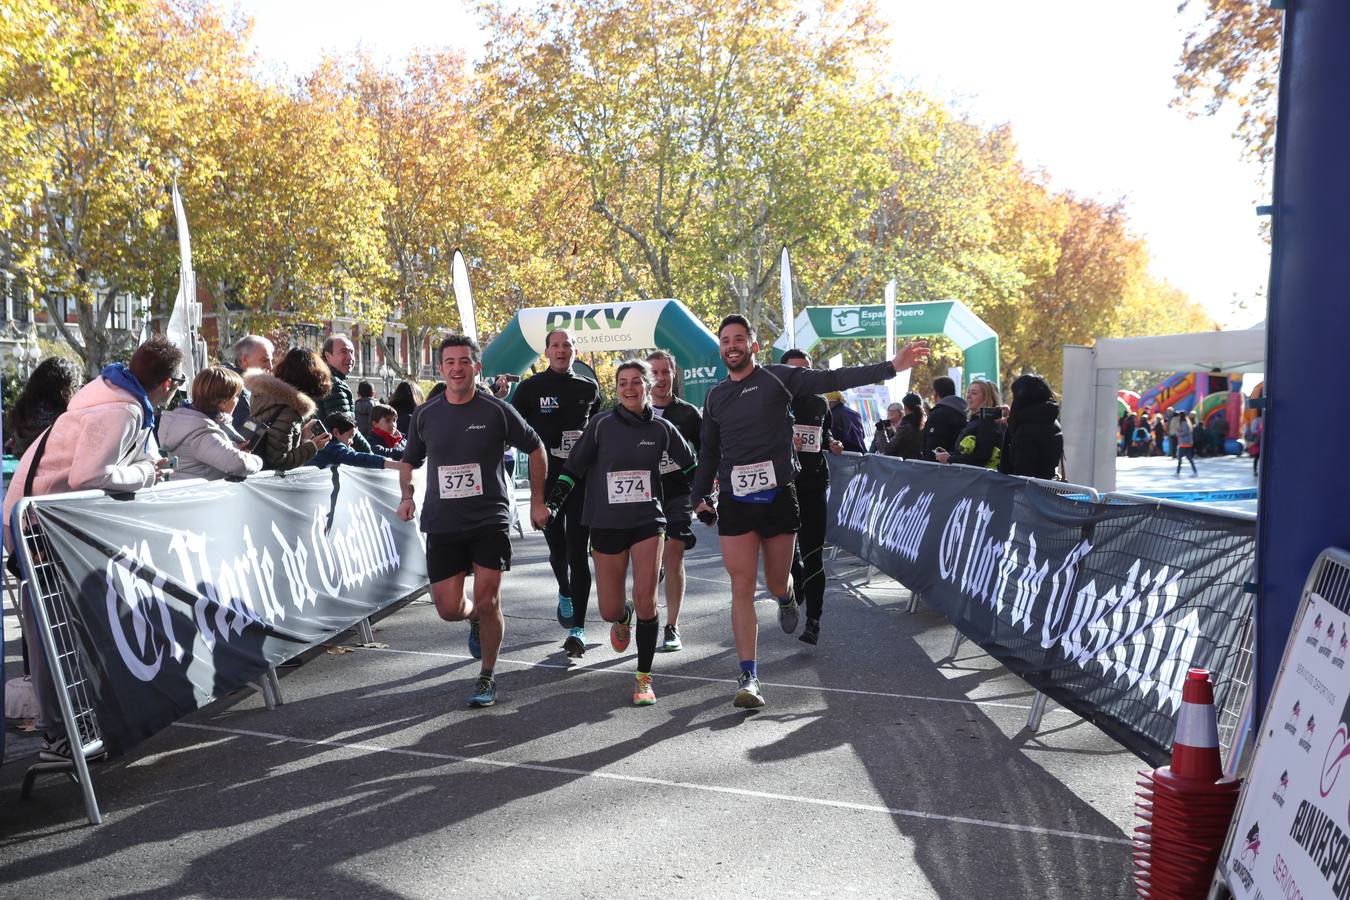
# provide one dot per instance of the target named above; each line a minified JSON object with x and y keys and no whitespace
{"x":1092,"y":378}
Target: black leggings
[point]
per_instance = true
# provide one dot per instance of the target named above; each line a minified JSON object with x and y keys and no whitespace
{"x":569,"y":555}
{"x":808,"y":566}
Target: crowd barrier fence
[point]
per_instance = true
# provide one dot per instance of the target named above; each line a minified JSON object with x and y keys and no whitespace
{"x":1231,"y":660}
{"x":58,"y":600}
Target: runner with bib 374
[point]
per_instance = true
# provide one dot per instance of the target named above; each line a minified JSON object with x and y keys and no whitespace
{"x":620,"y":456}
{"x":748,"y":447}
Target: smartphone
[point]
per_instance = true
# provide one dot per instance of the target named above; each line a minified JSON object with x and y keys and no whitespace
{"x":317,"y":428}
{"x":937,"y":450}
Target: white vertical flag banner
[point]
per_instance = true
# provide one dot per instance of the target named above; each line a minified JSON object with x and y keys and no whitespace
{"x":181,"y":329}
{"x":899,"y":385}
{"x":464,"y":298}
{"x":785,"y":288}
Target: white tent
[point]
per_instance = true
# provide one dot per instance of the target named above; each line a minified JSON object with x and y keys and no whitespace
{"x":1092,"y":379}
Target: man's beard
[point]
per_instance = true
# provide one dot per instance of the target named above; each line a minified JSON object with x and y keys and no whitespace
{"x":747,"y":360}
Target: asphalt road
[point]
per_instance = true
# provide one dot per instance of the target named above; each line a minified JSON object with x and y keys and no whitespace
{"x":880,"y":768}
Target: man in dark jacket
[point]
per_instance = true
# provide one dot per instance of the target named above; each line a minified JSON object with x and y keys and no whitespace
{"x":339,"y":354}
{"x":845,"y":424}
{"x":946,"y":420}
{"x":252,"y":351}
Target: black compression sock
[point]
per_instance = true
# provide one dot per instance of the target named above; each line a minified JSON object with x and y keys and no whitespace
{"x":646,"y":642}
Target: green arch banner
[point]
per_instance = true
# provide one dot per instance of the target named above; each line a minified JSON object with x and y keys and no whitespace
{"x":978,"y":342}
{"x":634,"y":326}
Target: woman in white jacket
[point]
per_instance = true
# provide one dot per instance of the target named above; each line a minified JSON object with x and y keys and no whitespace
{"x":201,"y":435}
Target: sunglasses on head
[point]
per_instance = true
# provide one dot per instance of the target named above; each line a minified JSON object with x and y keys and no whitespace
{"x":180,"y":379}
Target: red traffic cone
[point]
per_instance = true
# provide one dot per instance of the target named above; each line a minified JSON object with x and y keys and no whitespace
{"x":1195,"y":748}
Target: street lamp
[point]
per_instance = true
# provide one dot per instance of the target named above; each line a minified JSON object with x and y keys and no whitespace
{"x":387,"y":374}
{"x":26,"y":355}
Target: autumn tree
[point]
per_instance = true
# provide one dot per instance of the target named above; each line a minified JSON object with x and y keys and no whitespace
{"x":107,"y":122}
{"x":1231,"y":58}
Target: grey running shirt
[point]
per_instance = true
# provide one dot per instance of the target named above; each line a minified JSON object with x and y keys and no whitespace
{"x":747,"y":424}
{"x":465,"y":446}
{"x":619,"y":456}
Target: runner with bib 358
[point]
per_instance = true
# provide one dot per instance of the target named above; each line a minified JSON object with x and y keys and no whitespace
{"x":747,"y":446}
{"x":620,"y":455}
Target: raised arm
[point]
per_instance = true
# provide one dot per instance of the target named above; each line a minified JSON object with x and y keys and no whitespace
{"x":819,"y":381}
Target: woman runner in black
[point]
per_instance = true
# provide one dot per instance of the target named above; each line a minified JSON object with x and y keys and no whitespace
{"x":619,"y":456}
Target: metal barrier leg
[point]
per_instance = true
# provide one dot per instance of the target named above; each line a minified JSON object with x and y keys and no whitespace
{"x":264,"y":687}
{"x":367,"y":633}
{"x":275,"y":683}
{"x":1037,"y":712}
{"x":914,"y":599}
{"x":956,"y":643}
{"x":54,"y":660}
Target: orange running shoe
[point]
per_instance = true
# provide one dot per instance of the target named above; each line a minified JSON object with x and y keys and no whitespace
{"x":643,"y":695}
{"x":621,"y":632}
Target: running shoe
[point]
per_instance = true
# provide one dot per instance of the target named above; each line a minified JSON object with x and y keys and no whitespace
{"x":484,"y":692}
{"x":787,"y":615}
{"x":672,"y":640}
{"x":564,"y":611}
{"x":620,"y":633}
{"x":475,"y":645}
{"x":811,"y":632}
{"x":748,"y":695}
{"x":643,"y":695}
{"x":575,"y":645}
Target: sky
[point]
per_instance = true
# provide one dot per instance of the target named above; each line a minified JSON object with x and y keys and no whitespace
{"x":1086,"y":86}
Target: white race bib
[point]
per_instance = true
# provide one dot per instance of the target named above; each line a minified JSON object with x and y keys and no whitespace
{"x":810,"y":437}
{"x":458,"y":482}
{"x":753,"y":478}
{"x":668,"y":465}
{"x":569,"y":439}
{"x":633,"y":486}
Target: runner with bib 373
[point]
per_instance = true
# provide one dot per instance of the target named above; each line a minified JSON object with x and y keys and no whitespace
{"x":748,"y":448}
{"x":463,"y":434}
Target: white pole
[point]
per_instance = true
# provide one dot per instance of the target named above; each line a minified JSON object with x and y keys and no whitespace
{"x":785,"y":289}
{"x":464,"y":297}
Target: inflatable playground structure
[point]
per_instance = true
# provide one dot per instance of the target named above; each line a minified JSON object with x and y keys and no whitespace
{"x":1216,"y":399}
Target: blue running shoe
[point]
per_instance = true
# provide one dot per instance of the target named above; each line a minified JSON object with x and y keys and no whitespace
{"x":575,"y":645}
{"x":475,"y":646}
{"x":564,"y":611}
{"x":484,"y":692}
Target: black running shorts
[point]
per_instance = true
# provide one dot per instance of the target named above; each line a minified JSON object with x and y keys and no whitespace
{"x":620,"y":540}
{"x":449,"y":555}
{"x":680,"y":521}
{"x":767,"y":520}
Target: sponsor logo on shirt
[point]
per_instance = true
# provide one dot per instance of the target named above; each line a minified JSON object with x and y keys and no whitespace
{"x":753,"y":387}
{"x":476,"y":428}
{"x":548,"y":404}
{"x":646,"y":443}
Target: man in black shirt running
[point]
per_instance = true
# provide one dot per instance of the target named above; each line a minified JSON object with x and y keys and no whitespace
{"x":812,"y":438}
{"x":557,"y":403}
{"x":747,"y":447}
{"x":679,"y":509}
{"x":463,"y":433}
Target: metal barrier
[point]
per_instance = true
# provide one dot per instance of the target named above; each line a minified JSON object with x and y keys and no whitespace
{"x":41,"y":589}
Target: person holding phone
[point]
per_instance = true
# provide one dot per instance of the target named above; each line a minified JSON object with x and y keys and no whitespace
{"x":281,"y":402}
{"x":981,"y":442}
{"x":620,"y":456}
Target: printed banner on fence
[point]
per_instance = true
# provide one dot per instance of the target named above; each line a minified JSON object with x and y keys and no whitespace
{"x":185,"y":593}
{"x":1101,"y":607}
{"x":1291,"y":837}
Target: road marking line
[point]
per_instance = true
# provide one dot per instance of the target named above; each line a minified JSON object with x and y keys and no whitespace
{"x":660,"y":782}
{"x":582,"y":667}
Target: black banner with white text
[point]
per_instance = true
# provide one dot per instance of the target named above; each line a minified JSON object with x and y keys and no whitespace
{"x":184,"y":593}
{"x":1102,"y":607}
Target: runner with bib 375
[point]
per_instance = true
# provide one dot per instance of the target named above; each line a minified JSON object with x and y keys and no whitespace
{"x":748,"y":448}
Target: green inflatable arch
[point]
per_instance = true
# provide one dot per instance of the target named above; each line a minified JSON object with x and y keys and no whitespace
{"x":978,"y":342}
{"x":639,"y":325}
